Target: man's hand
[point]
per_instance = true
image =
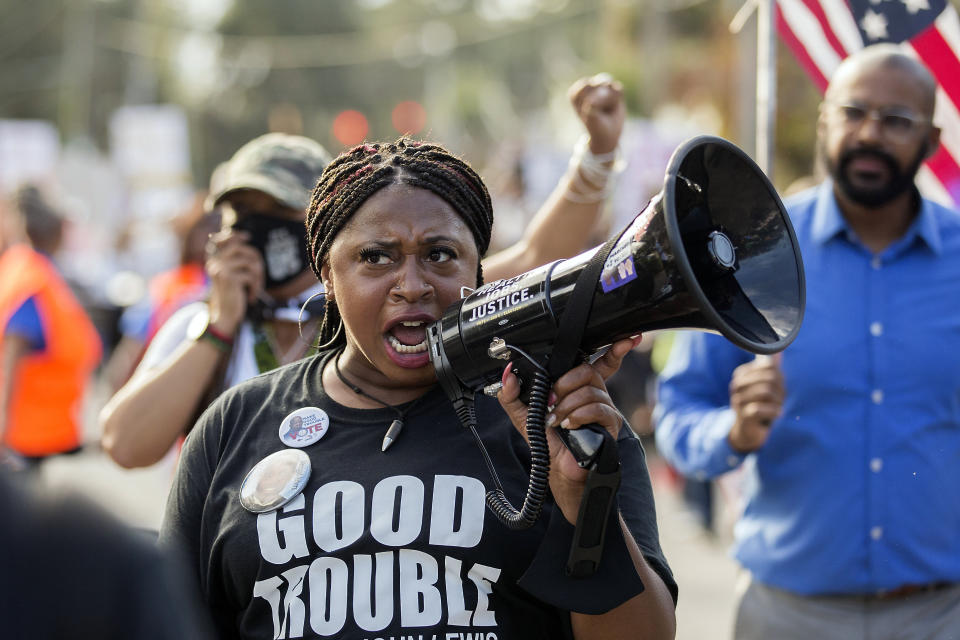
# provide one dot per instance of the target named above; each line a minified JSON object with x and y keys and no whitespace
{"x":236,"y":273}
{"x":598,"y":101}
{"x":756,"y":397}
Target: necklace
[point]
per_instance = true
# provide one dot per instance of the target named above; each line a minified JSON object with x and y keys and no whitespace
{"x":393,"y":431}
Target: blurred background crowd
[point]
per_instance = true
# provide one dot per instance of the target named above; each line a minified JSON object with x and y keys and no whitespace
{"x":126,"y":107}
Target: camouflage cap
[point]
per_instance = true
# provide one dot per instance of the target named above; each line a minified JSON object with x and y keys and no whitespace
{"x":283,"y":166}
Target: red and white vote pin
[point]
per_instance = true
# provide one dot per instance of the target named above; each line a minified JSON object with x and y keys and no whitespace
{"x":304,"y":426}
{"x":275,"y":481}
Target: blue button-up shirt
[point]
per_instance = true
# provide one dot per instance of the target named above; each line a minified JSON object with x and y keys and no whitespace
{"x":857,"y":488}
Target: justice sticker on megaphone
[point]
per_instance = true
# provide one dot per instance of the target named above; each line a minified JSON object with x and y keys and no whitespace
{"x":504,"y":300}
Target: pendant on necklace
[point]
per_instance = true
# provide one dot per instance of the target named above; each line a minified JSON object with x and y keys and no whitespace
{"x":275,"y":481}
{"x":393,"y":432}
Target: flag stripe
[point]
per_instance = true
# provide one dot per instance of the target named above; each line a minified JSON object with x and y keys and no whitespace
{"x":945,"y":168}
{"x":800,"y":52}
{"x":949,"y":26}
{"x":937,"y":47}
{"x":934,"y":51}
{"x":948,"y":119}
{"x":816,"y":10}
{"x":808,"y":31}
{"x":931,"y":186}
{"x":842,"y":22}
{"x":946,"y":116}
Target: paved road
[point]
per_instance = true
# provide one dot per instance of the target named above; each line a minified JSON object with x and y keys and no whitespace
{"x":701,"y":564}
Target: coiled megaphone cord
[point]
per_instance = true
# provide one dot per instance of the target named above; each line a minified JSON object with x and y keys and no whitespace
{"x":539,"y":458}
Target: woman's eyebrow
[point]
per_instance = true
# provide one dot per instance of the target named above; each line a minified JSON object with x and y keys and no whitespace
{"x":391,"y":244}
{"x":441,"y":238}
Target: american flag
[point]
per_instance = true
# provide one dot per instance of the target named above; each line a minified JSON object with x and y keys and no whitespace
{"x":821,"y":33}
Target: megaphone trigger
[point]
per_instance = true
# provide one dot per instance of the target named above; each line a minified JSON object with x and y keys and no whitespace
{"x":584,"y":443}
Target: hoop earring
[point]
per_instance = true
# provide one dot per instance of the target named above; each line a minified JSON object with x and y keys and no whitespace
{"x":303,"y":308}
{"x":329,"y":343}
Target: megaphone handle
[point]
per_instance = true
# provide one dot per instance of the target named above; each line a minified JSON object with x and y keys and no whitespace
{"x":584,"y":443}
{"x":595,"y":449}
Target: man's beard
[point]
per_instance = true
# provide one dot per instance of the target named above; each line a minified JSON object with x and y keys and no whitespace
{"x":898,"y":182}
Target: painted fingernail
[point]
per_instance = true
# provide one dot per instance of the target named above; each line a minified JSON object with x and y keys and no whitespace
{"x":552,"y":398}
{"x":506,"y":372}
{"x":551,"y":419}
{"x":565,"y":423}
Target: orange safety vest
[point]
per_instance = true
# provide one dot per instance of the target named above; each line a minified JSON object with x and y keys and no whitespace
{"x":44,"y":413}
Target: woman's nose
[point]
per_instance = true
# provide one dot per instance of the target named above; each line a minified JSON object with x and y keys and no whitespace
{"x":412,"y":283}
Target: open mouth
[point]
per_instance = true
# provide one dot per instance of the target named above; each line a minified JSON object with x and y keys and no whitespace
{"x":408,"y":337}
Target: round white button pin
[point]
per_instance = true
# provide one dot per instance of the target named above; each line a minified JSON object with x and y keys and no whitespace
{"x":275,"y":480}
{"x":304,"y":426}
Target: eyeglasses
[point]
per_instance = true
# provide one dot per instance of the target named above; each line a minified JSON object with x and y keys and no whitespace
{"x":895,"y":123}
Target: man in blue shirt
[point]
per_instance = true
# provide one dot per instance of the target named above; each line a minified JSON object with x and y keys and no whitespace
{"x":851,"y":437}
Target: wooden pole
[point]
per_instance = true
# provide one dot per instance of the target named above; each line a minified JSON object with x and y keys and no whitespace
{"x":766,"y":84}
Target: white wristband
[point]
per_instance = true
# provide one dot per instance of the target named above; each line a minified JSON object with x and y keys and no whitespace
{"x":590,"y":173}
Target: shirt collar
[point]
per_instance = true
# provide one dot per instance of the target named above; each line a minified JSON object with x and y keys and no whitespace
{"x":926,"y":227}
{"x":828,"y":222}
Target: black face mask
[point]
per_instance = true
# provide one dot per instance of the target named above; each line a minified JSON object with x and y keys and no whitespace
{"x":282,"y":243}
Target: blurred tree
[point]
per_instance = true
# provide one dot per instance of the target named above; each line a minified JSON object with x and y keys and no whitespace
{"x":479,"y":67}
{"x":30,"y":51}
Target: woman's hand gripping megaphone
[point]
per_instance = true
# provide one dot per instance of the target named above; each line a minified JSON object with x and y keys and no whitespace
{"x":579,"y":397}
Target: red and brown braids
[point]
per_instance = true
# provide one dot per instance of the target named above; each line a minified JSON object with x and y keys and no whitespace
{"x":358,"y":173}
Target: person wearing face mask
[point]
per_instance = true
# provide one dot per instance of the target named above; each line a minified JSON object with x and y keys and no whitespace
{"x":259,"y":280}
{"x":264,"y":303}
{"x":851,"y":438}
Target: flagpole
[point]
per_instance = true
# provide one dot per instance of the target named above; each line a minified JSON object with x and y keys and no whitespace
{"x":766,"y":84}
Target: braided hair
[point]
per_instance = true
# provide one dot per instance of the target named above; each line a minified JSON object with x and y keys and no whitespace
{"x":355,"y":175}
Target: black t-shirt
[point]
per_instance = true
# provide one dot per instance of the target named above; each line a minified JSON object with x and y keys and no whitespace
{"x":386,"y":544}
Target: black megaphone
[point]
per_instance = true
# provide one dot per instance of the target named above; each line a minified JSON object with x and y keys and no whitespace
{"x":713,"y":251}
